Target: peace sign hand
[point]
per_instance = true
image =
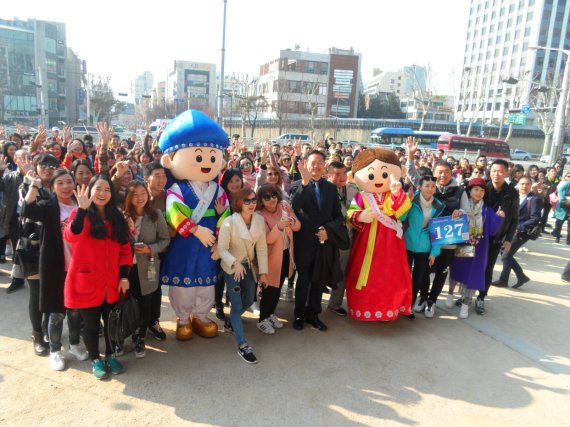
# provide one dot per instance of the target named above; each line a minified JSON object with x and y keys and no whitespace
{"x":395,"y":185}
{"x":305,"y":174}
{"x":82,"y":196}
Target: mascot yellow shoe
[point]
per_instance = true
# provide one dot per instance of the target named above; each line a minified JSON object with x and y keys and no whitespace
{"x":183,"y":332}
{"x":205,"y":329}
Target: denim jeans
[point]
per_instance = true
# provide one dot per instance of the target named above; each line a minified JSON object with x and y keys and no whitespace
{"x":240,"y":295}
{"x":55,"y":329}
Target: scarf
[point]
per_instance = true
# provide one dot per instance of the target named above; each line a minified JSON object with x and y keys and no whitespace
{"x":426,"y":209}
{"x":475,"y":218}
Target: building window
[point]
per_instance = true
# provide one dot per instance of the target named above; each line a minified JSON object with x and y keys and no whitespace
{"x":324,"y":68}
{"x":310,"y":67}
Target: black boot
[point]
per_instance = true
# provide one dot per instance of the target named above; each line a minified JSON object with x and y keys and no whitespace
{"x":41,"y":348}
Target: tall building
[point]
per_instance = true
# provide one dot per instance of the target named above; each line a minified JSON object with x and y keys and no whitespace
{"x":37,"y":74}
{"x":298,"y":82}
{"x":402,"y":83}
{"x":143,"y":86}
{"x":502,"y":69}
{"x":192,"y":85}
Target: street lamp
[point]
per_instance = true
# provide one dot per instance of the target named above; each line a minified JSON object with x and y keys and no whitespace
{"x":559,"y":125}
{"x":506,"y":81}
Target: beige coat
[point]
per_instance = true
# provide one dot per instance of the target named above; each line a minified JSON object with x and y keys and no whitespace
{"x":236,"y":243}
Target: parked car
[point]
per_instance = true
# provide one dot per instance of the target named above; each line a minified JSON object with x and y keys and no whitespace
{"x":79,"y":131}
{"x":520,"y":155}
{"x":291,"y":137}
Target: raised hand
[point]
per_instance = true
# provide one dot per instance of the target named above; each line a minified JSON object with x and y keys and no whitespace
{"x":205,"y":235}
{"x":82,"y":196}
{"x":26,"y":164}
{"x":3,"y":163}
{"x":395,"y":184}
{"x":122,"y":167}
{"x":220,"y":207}
{"x":305,"y":174}
{"x":297,"y":148}
{"x":33,"y":178}
{"x":412,"y":145}
{"x":105,"y":132}
{"x":41,"y":137}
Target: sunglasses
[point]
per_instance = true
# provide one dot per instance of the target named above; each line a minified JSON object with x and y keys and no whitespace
{"x":245,"y":165}
{"x":52,"y":167}
{"x":250,"y":201}
{"x":269,"y":196}
{"x":286,"y":159}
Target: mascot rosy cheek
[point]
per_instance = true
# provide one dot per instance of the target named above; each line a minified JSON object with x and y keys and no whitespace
{"x":193,"y":147}
{"x":378,"y":283}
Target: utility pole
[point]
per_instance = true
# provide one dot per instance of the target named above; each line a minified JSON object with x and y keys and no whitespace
{"x":222,"y":76}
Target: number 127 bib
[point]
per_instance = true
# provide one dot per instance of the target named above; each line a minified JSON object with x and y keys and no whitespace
{"x":448,"y":231}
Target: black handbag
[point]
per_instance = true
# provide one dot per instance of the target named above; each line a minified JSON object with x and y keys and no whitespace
{"x":27,"y":254}
{"x":124,"y":319}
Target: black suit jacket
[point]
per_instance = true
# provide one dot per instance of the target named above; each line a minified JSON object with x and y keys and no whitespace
{"x":529,"y":212}
{"x":329,"y":215}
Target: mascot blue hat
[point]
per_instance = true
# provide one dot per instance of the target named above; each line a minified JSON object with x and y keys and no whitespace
{"x":192,"y":128}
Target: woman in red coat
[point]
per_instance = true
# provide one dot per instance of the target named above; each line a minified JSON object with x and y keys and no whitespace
{"x":100,"y":264}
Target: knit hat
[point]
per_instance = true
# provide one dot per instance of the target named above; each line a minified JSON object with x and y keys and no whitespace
{"x":477,"y":182}
{"x":192,"y":128}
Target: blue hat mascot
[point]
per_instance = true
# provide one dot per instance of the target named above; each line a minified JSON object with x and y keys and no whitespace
{"x":193,"y":147}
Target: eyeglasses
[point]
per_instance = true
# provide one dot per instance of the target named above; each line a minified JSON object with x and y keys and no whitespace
{"x":52,"y":167}
{"x":156,"y":152}
{"x":269,"y":196}
{"x":250,"y":201}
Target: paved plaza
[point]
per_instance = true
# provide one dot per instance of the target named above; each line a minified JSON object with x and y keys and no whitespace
{"x":508,"y":367}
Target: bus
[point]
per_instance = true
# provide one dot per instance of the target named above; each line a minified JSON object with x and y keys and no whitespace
{"x":471,"y":147}
{"x":395,"y":137}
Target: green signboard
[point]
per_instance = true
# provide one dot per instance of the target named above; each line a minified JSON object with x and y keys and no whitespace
{"x":517,"y":119}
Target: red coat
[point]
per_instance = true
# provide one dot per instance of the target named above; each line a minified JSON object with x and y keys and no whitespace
{"x":94,"y":269}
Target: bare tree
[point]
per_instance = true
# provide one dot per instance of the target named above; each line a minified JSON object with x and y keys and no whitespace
{"x":310,"y":91}
{"x":246,"y":100}
{"x":103,"y":102}
{"x":423,"y":94}
{"x":280,"y":107}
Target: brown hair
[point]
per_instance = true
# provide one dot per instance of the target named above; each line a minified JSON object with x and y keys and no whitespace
{"x":130,"y":209}
{"x":267,"y":189}
{"x":274,"y":169}
{"x":368,"y":156}
{"x":239,"y":197}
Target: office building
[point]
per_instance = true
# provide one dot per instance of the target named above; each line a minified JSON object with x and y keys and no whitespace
{"x":300,"y":84}
{"x":192,"y":85}
{"x":502,"y":69}
{"x":143,"y":86}
{"x":403,"y":83}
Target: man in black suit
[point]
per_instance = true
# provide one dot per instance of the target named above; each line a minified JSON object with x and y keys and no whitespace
{"x":316,"y":204}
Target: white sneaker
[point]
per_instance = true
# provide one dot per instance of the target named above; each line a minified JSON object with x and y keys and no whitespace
{"x":419,"y":305}
{"x":56,"y":361}
{"x":464,"y":312}
{"x":429,"y":310}
{"x":265,"y":327}
{"x":78,"y":352}
{"x":449,"y":302}
{"x":275,"y":322}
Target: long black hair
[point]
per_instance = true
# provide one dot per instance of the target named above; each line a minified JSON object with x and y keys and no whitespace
{"x":119,"y":228}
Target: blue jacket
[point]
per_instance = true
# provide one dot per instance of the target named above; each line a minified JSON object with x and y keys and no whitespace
{"x":563,"y":192}
{"x":417,"y":238}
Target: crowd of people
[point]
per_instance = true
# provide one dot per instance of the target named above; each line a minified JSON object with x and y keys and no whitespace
{"x":284,"y":216}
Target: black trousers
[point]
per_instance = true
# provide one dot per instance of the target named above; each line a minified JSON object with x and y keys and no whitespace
{"x":91,"y":319}
{"x":270,"y":295}
{"x":509,"y":261}
{"x":34,"y":306}
{"x":219,"y":293}
{"x":308,"y":295}
{"x":418,"y":262}
{"x":156,"y":303}
{"x":441,"y":265}
{"x":494,"y":250}
{"x":145,"y":301}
